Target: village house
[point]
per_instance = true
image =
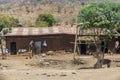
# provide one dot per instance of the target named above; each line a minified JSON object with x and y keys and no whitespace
{"x":56,"y":38}
{"x":86,"y":44}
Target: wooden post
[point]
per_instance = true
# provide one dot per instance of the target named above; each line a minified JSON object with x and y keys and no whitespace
{"x":1,"y":40}
{"x":76,"y":38}
{"x":75,"y":45}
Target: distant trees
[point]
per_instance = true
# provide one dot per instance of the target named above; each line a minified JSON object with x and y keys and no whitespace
{"x":45,"y":20}
{"x":43,"y":2}
{"x":59,"y":7}
{"x":2,"y":25}
{"x":7,"y":21}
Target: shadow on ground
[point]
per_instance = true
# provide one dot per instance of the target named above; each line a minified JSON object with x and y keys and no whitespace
{"x":86,"y":68}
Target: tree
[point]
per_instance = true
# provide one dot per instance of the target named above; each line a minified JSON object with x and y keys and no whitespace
{"x":101,"y":17}
{"x":43,"y":2}
{"x":2,"y":25}
{"x":72,"y":21}
{"x":45,"y":20}
{"x":8,"y":21}
{"x":59,"y":7}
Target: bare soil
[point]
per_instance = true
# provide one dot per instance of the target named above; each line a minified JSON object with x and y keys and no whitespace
{"x":57,"y":67}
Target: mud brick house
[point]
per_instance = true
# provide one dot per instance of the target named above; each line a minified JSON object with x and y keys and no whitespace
{"x":57,"y":38}
{"x":85,"y":37}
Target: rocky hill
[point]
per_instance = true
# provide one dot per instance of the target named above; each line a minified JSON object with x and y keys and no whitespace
{"x":5,"y":1}
{"x":27,"y":11}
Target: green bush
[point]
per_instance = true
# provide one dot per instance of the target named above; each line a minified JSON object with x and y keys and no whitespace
{"x":2,"y":25}
{"x":31,"y":25}
{"x":5,"y":31}
{"x":8,"y":21}
{"x":45,"y":20}
{"x":41,"y":24}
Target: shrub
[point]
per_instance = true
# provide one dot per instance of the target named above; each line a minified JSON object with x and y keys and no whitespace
{"x":45,"y":20}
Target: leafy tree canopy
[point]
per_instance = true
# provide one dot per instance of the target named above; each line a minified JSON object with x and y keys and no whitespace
{"x":7,"y":21}
{"x":100,"y":15}
{"x":103,"y":16}
{"x":2,"y":25}
{"x":45,"y":20}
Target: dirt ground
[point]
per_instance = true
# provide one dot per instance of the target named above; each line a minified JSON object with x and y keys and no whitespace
{"x":57,"y":67}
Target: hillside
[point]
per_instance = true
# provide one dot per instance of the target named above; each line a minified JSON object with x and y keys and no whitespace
{"x":27,"y":11}
{"x":5,"y":1}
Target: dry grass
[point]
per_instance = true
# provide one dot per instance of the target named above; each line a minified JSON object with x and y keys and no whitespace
{"x":28,"y":10}
{"x":27,"y":15}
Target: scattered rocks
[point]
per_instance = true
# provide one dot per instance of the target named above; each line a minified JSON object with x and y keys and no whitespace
{"x":46,"y":63}
{"x":0,"y":64}
{"x":43,"y":55}
{"x":53,"y":75}
{"x":78,"y":61}
{"x":56,"y":73}
{"x":26,"y":58}
{"x":54,"y":62}
{"x":4,"y":68}
{"x":26,"y":64}
{"x":48,"y":75}
{"x":116,"y":60}
{"x":1,"y":67}
{"x":41,"y":61}
{"x":73,"y":73}
{"x":118,"y":65}
{"x":27,"y":73}
{"x":37,"y":74}
{"x":82,"y":62}
{"x":44,"y":74}
{"x":32,"y":64}
{"x":63,"y":74}
{"x":50,"y":52}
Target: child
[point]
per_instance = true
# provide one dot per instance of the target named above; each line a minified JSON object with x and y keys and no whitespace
{"x":5,"y":52}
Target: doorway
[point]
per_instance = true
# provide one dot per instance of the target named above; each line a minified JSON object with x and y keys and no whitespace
{"x":83,"y":48}
{"x":13,"y":48}
{"x":37,"y":47}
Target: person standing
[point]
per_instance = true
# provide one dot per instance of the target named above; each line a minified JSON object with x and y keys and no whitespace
{"x":117,"y":46}
{"x":44,"y":46}
{"x":31,"y":48}
{"x":5,"y":52}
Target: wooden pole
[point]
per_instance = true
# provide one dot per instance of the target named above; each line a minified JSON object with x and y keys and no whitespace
{"x":75,"y":45}
{"x":2,"y":45}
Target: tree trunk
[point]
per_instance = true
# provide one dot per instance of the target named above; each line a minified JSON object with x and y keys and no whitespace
{"x":2,"y":49}
{"x":99,"y":54}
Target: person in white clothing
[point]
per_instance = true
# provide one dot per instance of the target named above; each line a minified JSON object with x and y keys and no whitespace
{"x":44,"y":46}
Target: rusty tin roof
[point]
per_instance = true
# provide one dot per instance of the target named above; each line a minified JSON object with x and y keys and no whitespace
{"x":27,"y":31}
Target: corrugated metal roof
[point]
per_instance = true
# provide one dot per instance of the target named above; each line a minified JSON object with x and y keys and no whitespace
{"x":26,"y":31}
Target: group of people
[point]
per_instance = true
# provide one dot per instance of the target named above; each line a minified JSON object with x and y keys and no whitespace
{"x":36,"y":47}
{"x":44,"y":45}
{"x":31,"y":49}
